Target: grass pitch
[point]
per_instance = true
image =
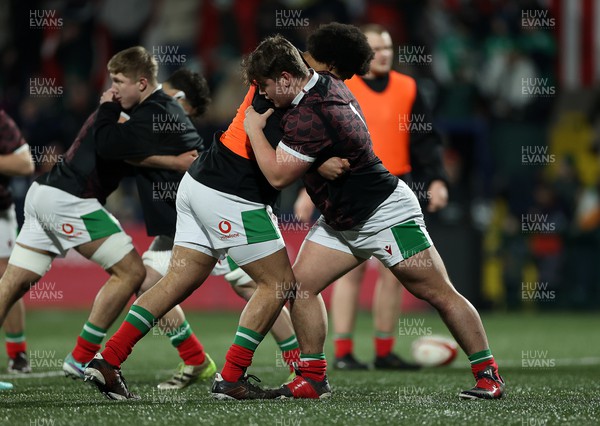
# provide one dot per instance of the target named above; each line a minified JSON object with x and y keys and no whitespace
{"x":551,"y":363}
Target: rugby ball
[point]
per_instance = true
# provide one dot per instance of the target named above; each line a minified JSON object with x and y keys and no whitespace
{"x":433,"y":351}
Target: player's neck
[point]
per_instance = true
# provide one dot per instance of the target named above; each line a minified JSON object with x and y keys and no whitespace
{"x":150,"y":89}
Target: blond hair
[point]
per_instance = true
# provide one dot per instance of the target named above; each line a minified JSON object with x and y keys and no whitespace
{"x":134,"y":63}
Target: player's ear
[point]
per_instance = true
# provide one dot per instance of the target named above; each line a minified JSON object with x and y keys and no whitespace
{"x":142,"y":83}
{"x":286,"y":78}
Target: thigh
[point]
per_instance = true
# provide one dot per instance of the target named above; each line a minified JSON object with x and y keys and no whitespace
{"x":427,"y":278}
{"x":318,"y":265}
{"x":273,"y":270}
{"x":190,"y":267}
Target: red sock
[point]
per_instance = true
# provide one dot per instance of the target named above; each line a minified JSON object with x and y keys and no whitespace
{"x":13,"y":348}
{"x":237,"y":360}
{"x":291,"y":356}
{"x":476,"y":368}
{"x":119,"y":346}
{"x":84,"y":351}
{"x":343,"y":346}
{"x":191,"y":351}
{"x":314,"y":369}
{"x":383,"y":345}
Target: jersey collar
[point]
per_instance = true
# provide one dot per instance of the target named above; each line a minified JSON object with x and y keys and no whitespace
{"x":309,"y":85}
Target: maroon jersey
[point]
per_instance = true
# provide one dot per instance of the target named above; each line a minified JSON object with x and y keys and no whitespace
{"x":10,"y":141}
{"x":326,"y":122}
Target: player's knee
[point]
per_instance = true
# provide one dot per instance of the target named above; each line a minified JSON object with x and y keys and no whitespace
{"x":238,"y":278}
{"x":244,"y":291}
{"x":137,"y":273}
{"x":147,"y":284}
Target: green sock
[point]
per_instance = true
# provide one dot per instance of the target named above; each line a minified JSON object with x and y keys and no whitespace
{"x":140,"y":319}
{"x":247,"y":338}
{"x":288,"y":344}
{"x":181,"y":333}
{"x":93,"y":333}
{"x":481,"y":356}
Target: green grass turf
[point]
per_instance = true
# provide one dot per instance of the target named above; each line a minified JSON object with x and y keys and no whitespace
{"x":565,"y":391}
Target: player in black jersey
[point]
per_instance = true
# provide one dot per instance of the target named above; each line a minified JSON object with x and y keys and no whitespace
{"x":64,"y":210}
{"x":367,"y":212}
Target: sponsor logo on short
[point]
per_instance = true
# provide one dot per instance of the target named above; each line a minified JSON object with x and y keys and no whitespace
{"x":225,"y":227}
{"x":69,"y":230}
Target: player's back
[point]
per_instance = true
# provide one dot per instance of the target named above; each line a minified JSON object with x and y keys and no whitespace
{"x":81,"y":172}
{"x":328,"y":123}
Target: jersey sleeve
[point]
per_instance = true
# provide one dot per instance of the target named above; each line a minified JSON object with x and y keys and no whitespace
{"x":305,"y":135}
{"x":11,"y":139}
{"x":123,"y":141}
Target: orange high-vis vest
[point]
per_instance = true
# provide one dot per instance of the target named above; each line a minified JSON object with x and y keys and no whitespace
{"x":235,"y":137}
{"x":388,"y":118}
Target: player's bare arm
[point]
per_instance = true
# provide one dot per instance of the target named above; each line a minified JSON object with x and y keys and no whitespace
{"x":18,"y":163}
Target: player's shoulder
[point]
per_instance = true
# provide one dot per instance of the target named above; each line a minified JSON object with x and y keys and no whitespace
{"x":159,"y":103}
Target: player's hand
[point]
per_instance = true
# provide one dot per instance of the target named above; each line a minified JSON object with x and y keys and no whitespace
{"x":438,"y":196}
{"x":184,"y":161}
{"x":108,"y":96}
{"x":254,"y":120}
{"x":334,"y":167}
{"x":303,"y":207}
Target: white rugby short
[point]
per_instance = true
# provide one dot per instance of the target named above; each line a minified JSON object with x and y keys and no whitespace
{"x":394,"y":232}
{"x":217,"y":223}
{"x":56,"y":221}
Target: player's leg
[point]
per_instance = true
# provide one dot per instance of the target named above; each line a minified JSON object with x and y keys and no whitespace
{"x":196,"y":364}
{"x":14,"y":324}
{"x":462,"y":319}
{"x":30,"y":258}
{"x":344,"y":306}
{"x":124,"y":265}
{"x":26,"y":266}
{"x":16,"y":345}
{"x":268,"y":265}
{"x":386,"y":310}
{"x":282,"y":330}
{"x":188,"y":269}
{"x":315,"y":268}
{"x":424,"y":275}
{"x":189,"y":266}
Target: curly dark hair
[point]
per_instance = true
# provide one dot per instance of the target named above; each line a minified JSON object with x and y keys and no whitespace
{"x":343,"y":46}
{"x":194,"y":86}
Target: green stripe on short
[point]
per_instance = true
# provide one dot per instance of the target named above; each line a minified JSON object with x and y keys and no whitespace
{"x":258,"y":226}
{"x":99,"y":224}
{"x":410,"y":238}
{"x":232,"y":265}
